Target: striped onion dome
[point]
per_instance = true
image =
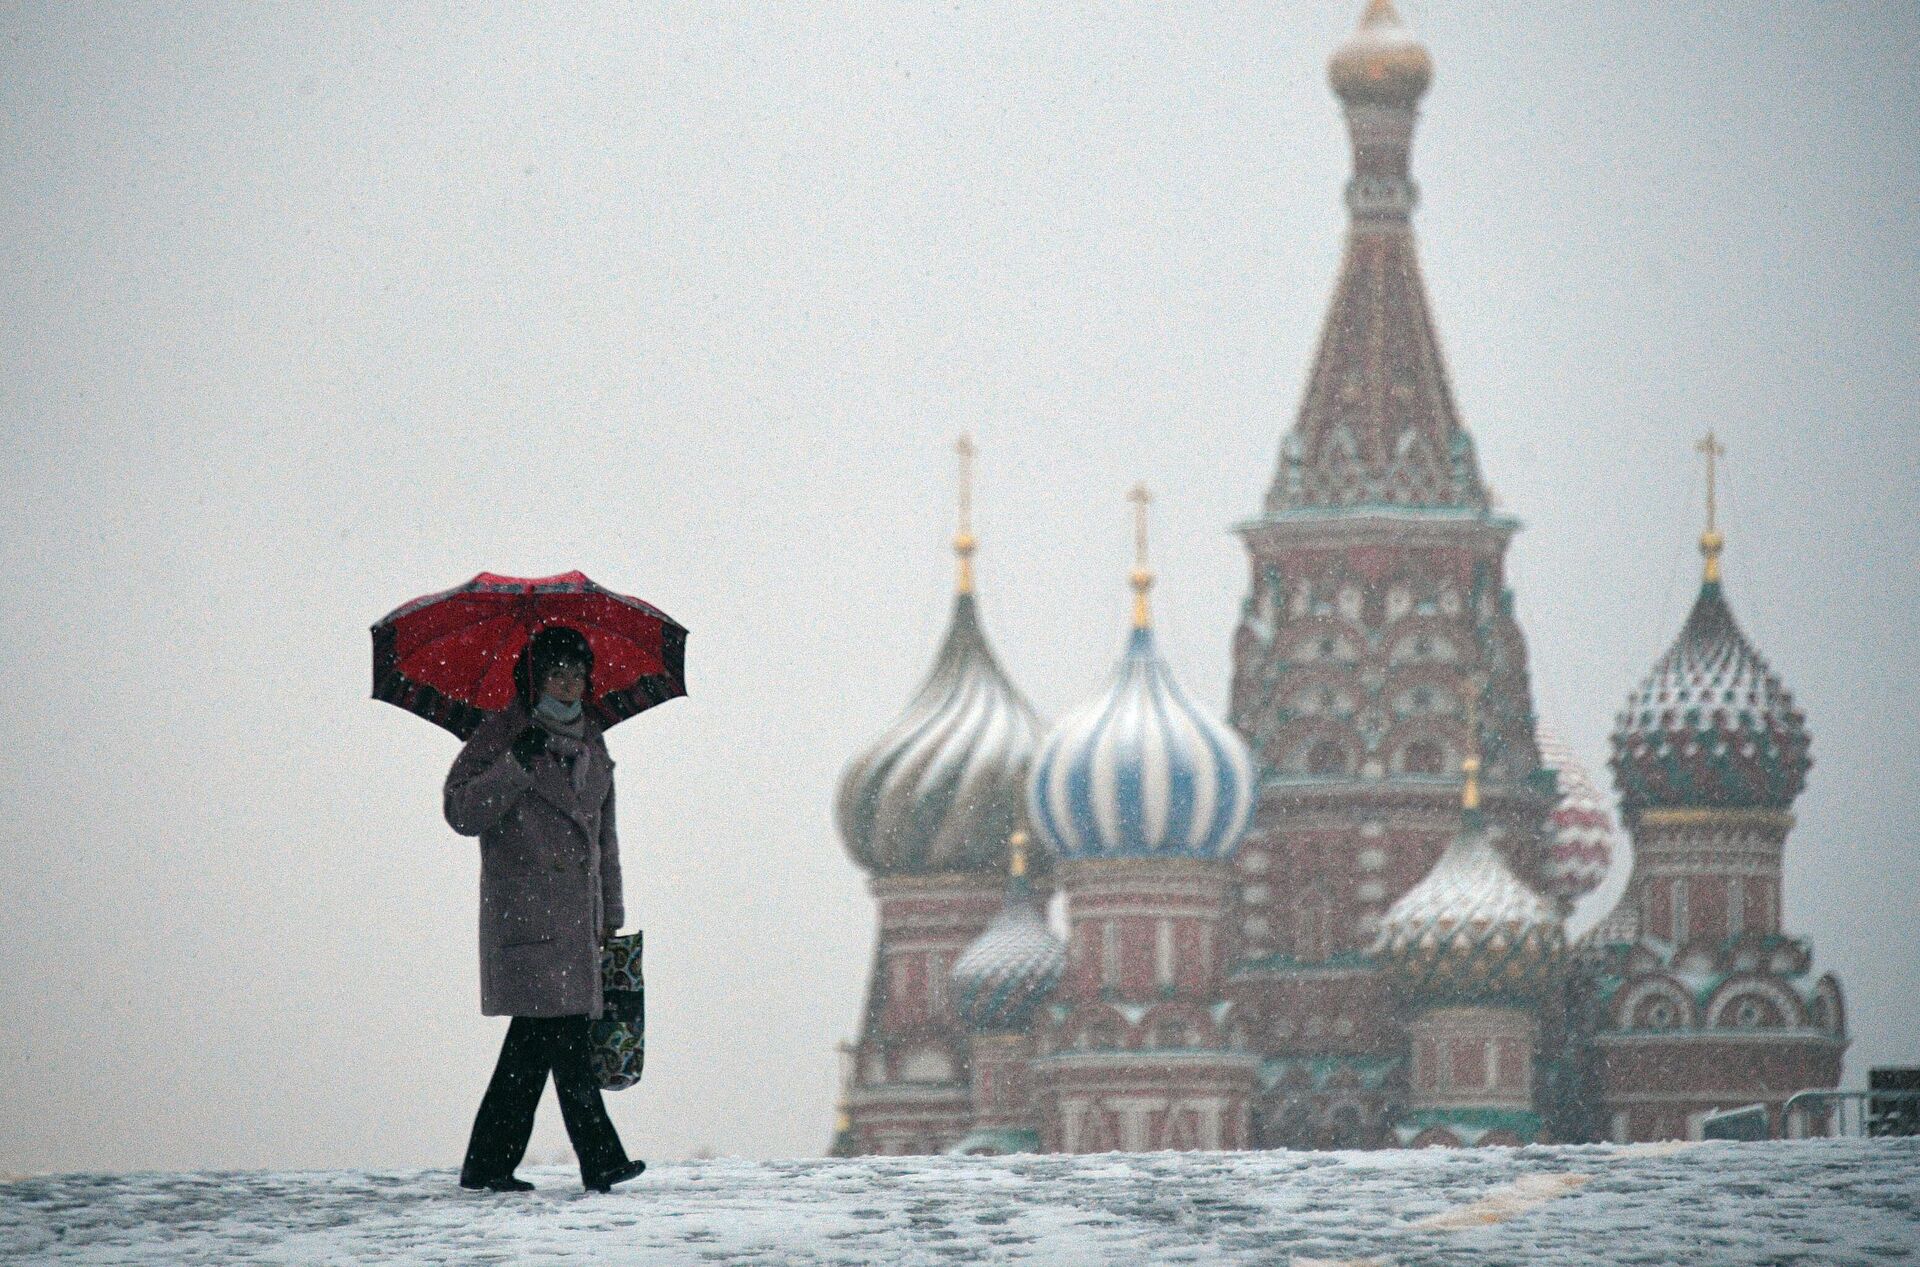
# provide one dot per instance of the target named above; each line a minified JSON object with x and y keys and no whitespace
{"x":1582,"y":845}
{"x":942,"y":790}
{"x":1008,"y":971}
{"x":1471,"y":930}
{"x":1141,"y":771}
{"x":1712,"y":726}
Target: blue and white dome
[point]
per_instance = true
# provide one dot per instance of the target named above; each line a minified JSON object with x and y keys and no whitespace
{"x":1141,"y":772}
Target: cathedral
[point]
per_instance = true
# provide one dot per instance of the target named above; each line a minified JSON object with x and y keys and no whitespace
{"x":1336,"y":916}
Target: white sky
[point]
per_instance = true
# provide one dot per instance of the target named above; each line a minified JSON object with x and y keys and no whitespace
{"x":313,"y":312}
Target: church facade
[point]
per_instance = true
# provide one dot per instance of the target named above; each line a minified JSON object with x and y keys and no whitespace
{"x":1336,"y":916}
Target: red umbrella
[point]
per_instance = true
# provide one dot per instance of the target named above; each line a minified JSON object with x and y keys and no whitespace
{"x":449,"y":657}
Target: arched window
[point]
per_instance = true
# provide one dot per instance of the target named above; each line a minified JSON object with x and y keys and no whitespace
{"x":927,"y":1064}
{"x":1312,"y":927}
{"x":1423,"y":756}
{"x":1327,"y":759}
{"x":1344,"y":1129}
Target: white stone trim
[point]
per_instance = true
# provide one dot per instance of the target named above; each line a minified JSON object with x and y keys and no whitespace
{"x":1785,"y":1001}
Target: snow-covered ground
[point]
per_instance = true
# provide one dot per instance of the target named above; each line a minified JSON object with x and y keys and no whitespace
{"x":1829,"y":1201}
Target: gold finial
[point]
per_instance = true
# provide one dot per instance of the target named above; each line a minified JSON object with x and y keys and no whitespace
{"x":1470,"y":764}
{"x":1711,"y":542}
{"x":1142,"y":579}
{"x":1017,"y":853}
{"x":963,"y":542}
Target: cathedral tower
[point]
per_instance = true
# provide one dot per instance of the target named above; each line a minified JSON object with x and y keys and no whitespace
{"x":999,"y":984}
{"x":1701,"y":1000}
{"x":1377,"y":612}
{"x":1472,"y":954}
{"x":927,"y":811}
{"x":1143,"y":797}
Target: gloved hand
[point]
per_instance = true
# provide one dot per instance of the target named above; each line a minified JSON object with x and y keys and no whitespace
{"x":531,"y":743}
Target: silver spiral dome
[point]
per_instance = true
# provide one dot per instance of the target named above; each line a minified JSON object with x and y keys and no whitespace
{"x":944,"y":788}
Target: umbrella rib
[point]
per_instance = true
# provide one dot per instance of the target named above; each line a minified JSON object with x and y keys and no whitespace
{"x":513,"y":627}
{"x":453,"y":632}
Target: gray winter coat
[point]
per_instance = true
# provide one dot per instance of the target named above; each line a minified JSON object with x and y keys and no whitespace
{"x":549,"y":869}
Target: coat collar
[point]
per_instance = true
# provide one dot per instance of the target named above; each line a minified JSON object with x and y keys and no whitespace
{"x":553,"y":783}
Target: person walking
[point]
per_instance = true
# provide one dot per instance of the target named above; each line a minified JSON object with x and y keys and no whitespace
{"x":535,"y":784}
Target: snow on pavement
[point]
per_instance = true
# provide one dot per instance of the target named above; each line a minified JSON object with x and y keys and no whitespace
{"x":1825,"y":1201}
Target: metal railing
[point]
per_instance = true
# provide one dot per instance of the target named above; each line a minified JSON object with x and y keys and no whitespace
{"x":1820,"y":1114}
{"x":1749,"y":1123}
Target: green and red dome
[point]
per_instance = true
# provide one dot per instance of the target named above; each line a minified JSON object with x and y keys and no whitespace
{"x":1712,"y":726}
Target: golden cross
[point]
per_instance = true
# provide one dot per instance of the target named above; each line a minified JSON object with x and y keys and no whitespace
{"x":966,"y":451}
{"x":1140,"y":498}
{"x":1711,"y":541}
{"x":963,"y":542}
{"x":1713,"y":449}
{"x":1142,"y":578}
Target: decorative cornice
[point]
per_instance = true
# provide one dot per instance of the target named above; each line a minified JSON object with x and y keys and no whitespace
{"x":1740,"y":1037}
{"x":1402,"y":526}
{"x":1268,"y":971}
{"x":1163,"y":878}
{"x":1759,"y":819}
{"x":986,"y":885}
{"x":908,"y":1095}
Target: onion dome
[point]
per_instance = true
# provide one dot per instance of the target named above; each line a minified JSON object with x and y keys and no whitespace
{"x":1381,"y":62}
{"x":1582,"y":844}
{"x":1471,"y":930}
{"x":1711,"y":726}
{"x":944,"y":788}
{"x":1141,"y":771}
{"x":1008,"y":971}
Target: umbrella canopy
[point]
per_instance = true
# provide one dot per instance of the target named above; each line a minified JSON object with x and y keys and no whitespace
{"x":449,"y":657}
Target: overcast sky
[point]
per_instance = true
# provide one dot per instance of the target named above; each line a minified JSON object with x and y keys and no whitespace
{"x":310,"y":312}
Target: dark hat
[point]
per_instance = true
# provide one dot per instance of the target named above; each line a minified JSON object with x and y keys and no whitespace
{"x":556,"y":644}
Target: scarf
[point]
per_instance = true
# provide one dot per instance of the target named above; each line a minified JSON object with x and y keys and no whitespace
{"x":566,"y":740}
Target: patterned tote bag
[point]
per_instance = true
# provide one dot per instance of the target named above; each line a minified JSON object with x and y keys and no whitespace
{"x":620,"y":1035}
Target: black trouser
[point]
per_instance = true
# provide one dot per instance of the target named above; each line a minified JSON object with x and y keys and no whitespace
{"x":535,"y":1045}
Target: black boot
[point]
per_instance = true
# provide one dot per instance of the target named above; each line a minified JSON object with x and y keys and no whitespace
{"x":505,"y":1183}
{"x":632,"y":1170}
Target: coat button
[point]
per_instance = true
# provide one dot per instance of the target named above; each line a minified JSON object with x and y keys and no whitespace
{"x":559,"y":865}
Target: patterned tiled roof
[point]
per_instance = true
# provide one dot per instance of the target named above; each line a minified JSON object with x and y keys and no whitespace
{"x":1711,"y":726}
{"x":1001,"y":979}
{"x":1471,"y":929}
{"x":1378,"y":427}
